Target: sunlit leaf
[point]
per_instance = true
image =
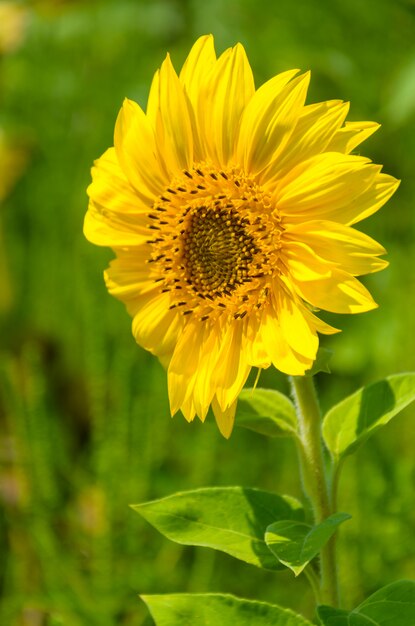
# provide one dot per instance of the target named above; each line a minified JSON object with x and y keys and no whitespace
{"x":266,"y":411}
{"x":393,"y":605}
{"x":218,"y":609}
{"x":295,"y":543}
{"x":358,"y":416}
{"x":230,"y":519}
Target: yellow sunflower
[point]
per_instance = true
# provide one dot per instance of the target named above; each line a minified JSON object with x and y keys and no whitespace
{"x":230,"y":212}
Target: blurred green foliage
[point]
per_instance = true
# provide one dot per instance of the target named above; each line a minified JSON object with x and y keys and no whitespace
{"x":84,"y":426}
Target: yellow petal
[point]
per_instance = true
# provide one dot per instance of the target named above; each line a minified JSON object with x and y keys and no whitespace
{"x":323,"y":186}
{"x":320,"y":326}
{"x":349,"y":249}
{"x":383,"y":187}
{"x":315,"y":128}
{"x":225,"y":419}
{"x":129,"y":274}
{"x":111,"y":189}
{"x":303,"y":264}
{"x":226,"y":94}
{"x":104,"y":232}
{"x":351,"y":135}
{"x":116,"y":215}
{"x":156,"y":327}
{"x":197,"y":66}
{"x":204,"y":383}
{"x":136,"y":151}
{"x":323,"y":285}
{"x":154,"y":118}
{"x":184,"y":363}
{"x":232,"y":368}
{"x":193,"y":366}
{"x":153,"y":103}
{"x":282,"y":356}
{"x":188,"y":409}
{"x":175,"y":120}
{"x":135,"y":290}
{"x":294,"y":326}
{"x":269,"y":118}
{"x":253,"y":346}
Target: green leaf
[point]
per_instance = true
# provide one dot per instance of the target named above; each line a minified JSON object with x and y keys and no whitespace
{"x":230,"y":519}
{"x":295,"y":543}
{"x":357,"y":417}
{"x":337,"y":617}
{"x":321,"y":364}
{"x":392,"y":605}
{"x":185,"y":609}
{"x":266,"y":411}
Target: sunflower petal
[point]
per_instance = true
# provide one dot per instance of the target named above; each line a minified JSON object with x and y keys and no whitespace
{"x":315,"y":128}
{"x":104,"y":232}
{"x":116,"y":214}
{"x":351,"y":135}
{"x":383,"y":187}
{"x":188,"y":409}
{"x":230,"y":87}
{"x":155,"y":327}
{"x":136,"y":150}
{"x":183,"y":365}
{"x":320,"y":326}
{"x":253,"y":346}
{"x":323,"y":285}
{"x":111,"y":189}
{"x":346,"y":247}
{"x":282,"y":356}
{"x":175,"y":119}
{"x":197,"y":66}
{"x":204,"y":386}
{"x":225,"y":419}
{"x":129,"y":274}
{"x":323,"y":186}
{"x":232,"y":369}
{"x":295,"y":328}
{"x":268,"y":119}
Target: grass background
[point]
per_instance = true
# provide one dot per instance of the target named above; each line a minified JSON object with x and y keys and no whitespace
{"x":84,"y":425}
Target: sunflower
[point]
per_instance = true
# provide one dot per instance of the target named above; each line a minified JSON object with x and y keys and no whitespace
{"x":230,"y":211}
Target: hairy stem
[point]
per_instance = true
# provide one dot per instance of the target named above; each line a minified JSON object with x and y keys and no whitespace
{"x":314,"y":477}
{"x":314,"y":582}
{"x":338,"y":466}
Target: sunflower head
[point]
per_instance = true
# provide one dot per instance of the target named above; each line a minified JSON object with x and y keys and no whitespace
{"x":230,"y":211}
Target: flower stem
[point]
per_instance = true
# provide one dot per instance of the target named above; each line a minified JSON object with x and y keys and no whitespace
{"x":314,"y":582}
{"x":314,"y":477}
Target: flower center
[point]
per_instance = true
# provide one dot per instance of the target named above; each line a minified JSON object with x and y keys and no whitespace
{"x":217,"y":251}
{"x":217,"y":242}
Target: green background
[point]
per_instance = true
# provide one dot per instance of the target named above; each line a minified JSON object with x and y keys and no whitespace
{"x":84,"y":423}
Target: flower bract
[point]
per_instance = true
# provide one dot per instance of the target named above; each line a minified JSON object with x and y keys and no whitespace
{"x":231,"y":212}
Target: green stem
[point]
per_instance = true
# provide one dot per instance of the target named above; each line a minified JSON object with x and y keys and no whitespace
{"x":338,"y":466}
{"x":314,"y":582}
{"x":314,"y":477}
